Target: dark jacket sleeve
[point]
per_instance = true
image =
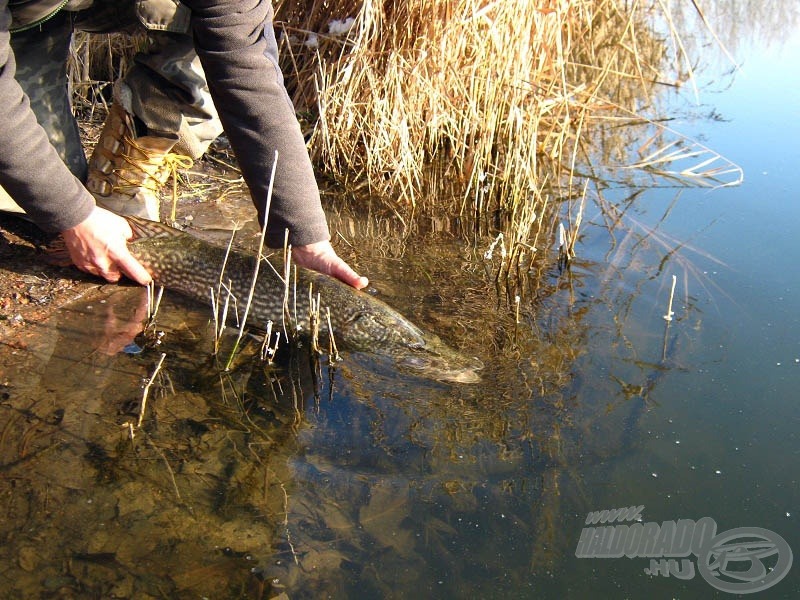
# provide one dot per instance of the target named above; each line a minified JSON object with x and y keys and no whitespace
{"x":236,"y":45}
{"x":30,"y":169}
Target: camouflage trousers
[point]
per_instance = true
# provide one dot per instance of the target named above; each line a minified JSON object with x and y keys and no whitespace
{"x":165,"y":88}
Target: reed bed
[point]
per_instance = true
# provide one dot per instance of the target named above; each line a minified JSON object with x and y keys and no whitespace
{"x":443,"y":104}
{"x":481,"y":108}
{"x":484,"y":108}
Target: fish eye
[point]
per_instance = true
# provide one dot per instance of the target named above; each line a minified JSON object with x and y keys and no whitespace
{"x":415,"y":361}
{"x":359,"y":317}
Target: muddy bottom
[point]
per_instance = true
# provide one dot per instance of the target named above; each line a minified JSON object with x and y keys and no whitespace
{"x":300,"y":478}
{"x":188,"y":503}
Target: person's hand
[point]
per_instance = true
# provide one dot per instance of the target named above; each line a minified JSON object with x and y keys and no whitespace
{"x":98,"y":245}
{"x":320,"y":256}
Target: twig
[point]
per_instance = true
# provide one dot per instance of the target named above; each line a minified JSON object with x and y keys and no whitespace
{"x":146,"y":390}
{"x":169,"y":468}
{"x":286,"y":524}
{"x":668,"y":316}
{"x":259,"y":257}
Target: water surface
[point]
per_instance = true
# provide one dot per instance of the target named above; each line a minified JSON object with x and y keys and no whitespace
{"x":355,"y":481}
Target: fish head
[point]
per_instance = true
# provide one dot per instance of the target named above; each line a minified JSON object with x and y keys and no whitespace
{"x":385,"y":332}
{"x":436,"y":360}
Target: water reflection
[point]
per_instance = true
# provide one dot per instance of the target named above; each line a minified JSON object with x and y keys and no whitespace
{"x":738,"y":25}
{"x":339,"y":481}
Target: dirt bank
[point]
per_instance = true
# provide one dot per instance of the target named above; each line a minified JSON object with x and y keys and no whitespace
{"x":30,"y":288}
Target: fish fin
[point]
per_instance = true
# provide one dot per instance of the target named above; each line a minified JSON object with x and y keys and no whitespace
{"x":56,"y":253}
{"x":144,"y":228}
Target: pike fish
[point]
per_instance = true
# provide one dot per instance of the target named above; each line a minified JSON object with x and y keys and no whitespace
{"x":361,"y":322}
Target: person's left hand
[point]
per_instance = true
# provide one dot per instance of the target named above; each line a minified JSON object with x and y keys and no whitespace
{"x":320,"y":256}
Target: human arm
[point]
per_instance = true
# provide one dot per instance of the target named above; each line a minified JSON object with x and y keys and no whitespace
{"x":32,"y":172}
{"x":30,"y":169}
{"x":236,"y":45}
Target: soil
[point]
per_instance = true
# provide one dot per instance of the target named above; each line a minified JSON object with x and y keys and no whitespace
{"x":30,"y":288}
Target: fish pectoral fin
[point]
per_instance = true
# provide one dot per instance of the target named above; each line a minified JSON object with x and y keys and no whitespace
{"x":143,"y":228}
{"x":360,"y":316}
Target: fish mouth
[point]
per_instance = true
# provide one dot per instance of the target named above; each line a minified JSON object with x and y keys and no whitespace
{"x":441,"y":369}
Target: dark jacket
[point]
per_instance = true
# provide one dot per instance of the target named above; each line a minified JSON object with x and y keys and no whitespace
{"x":236,"y":45}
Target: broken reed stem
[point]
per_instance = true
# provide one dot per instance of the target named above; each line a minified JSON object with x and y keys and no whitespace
{"x":332,"y":349}
{"x":265,"y":342}
{"x":153,"y":305}
{"x":313,"y":319}
{"x":268,"y":352}
{"x":219,"y":323}
{"x":150,"y":291}
{"x":223,"y":316}
{"x":146,"y":390}
{"x":225,"y":309}
{"x":287,"y":261}
{"x":562,"y":243}
{"x":271,"y":352}
{"x":259,"y":258}
{"x":149,"y":329}
{"x":670,"y":313}
{"x":574,"y":229}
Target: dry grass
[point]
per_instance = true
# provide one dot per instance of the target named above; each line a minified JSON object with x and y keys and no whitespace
{"x":476,"y":107}
{"x":481,"y":107}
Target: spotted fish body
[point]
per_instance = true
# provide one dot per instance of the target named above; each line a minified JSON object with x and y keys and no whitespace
{"x":191,"y":266}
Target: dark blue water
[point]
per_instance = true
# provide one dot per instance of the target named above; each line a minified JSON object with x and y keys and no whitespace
{"x":719,"y":435}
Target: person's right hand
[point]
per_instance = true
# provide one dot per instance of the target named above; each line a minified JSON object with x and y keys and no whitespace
{"x":99,"y":245}
{"x":321,"y":257}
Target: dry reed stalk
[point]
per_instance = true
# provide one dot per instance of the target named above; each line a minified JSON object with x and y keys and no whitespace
{"x":496,"y":95}
{"x":333,"y":350}
{"x":473,"y":106}
{"x":220,"y":314}
{"x":146,"y":390}
{"x":96,"y":61}
{"x":289,"y":326}
{"x":496,"y":92}
{"x":268,"y":352}
{"x":668,"y":316}
{"x":259,"y":258}
{"x":313,"y":319}
{"x":153,"y":301}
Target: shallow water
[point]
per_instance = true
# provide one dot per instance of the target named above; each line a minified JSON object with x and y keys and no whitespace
{"x":355,"y":481}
